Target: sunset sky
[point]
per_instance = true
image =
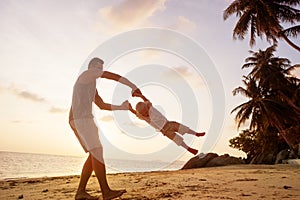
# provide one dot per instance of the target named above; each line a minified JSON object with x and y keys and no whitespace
{"x":45,"y":43}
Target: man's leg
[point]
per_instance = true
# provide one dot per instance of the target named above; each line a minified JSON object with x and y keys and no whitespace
{"x":84,"y":177}
{"x":85,"y":173}
{"x":100,"y":171}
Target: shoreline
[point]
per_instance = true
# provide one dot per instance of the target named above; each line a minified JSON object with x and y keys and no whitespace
{"x":74,"y":175}
{"x":228,"y":182}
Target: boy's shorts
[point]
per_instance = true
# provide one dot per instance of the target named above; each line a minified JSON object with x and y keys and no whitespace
{"x":173,"y":126}
{"x":170,"y":129}
{"x":86,"y":132}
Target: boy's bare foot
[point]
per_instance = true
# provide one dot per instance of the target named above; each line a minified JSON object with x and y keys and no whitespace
{"x":193,"y":151}
{"x":113,"y":194}
{"x":200,"y":134}
{"x":85,"y":196}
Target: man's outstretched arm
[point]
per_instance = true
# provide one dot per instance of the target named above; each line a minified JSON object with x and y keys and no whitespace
{"x":121,"y":79}
{"x":106,"y":106}
{"x":135,"y":90}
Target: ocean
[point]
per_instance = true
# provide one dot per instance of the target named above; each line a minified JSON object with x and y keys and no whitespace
{"x":15,"y":165}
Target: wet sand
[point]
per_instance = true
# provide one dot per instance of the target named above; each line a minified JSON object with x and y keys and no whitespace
{"x":230,"y":182}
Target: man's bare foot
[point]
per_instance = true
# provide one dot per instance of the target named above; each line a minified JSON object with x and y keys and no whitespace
{"x":85,"y":196}
{"x":200,"y":134}
{"x":113,"y":194}
{"x":193,"y":151}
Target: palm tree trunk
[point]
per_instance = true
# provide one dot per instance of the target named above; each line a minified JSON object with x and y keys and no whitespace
{"x":291,"y":103}
{"x":283,"y":134}
{"x":290,"y":42}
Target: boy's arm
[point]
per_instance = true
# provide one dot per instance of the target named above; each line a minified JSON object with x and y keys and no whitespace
{"x":105,"y":106}
{"x":131,"y":109}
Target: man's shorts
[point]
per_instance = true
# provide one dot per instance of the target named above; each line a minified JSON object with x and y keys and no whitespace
{"x":86,"y":132}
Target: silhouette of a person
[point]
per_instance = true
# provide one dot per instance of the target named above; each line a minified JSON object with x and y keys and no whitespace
{"x":145,"y":111}
{"x":82,"y":122}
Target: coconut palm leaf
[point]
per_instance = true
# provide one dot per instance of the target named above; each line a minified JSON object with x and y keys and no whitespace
{"x":264,"y":18}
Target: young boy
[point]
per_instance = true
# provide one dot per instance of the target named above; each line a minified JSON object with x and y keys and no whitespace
{"x":145,"y":111}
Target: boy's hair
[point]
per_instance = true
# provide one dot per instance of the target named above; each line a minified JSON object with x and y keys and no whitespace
{"x":93,"y":61}
{"x":142,"y":108}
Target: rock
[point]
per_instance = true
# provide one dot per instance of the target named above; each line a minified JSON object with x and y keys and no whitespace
{"x":212,"y":160}
{"x":199,"y":161}
{"x":282,"y":155}
{"x":263,"y":158}
{"x":287,"y":187}
{"x":292,"y":155}
{"x":12,"y":184}
{"x":269,"y":159}
{"x":21,"y":196}
{"x":224,"y":160}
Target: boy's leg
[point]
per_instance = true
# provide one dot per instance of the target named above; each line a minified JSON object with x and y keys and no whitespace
{"x":170,"y":134}
{"x":191,"y":150}
{"x":198,"y":134}
{"x":182,"y":129}
{"x":179,"y":141}
{"x":100,"y":171}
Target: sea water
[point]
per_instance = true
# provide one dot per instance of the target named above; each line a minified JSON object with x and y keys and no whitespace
{"x":15,"y":165}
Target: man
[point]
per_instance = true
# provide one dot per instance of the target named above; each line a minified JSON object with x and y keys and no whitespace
{"x":82,"y":122}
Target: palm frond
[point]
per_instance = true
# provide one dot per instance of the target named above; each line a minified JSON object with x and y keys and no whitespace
{"x":291,"y":32}
{"x":288,"y":2}
{"x":237,"y":7}
{"x":240,"y":90}
{"x":242,"y":26}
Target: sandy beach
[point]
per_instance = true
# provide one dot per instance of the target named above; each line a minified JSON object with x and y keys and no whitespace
{"x":230,"y":182}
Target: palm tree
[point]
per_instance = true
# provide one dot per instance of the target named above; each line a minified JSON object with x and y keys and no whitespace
{"x":264,"y":18}
{"x":249,"y":110}
{"x":273,"y":95}
{"x":274,"y":74}
{"x":262,"y":111}
{"x":247,"y":142}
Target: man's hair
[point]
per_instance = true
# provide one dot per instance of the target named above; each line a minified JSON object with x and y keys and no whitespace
{"x":93,"y":61}
{"x":142,"y":108}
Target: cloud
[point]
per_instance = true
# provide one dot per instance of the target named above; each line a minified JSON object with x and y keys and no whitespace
{"x":57,"y":110}
{"x":185,"y":25}
{"x":136,"y":123}
{"x":150,"y":54}
{"x":184,"y":71}
{"x":20,"y":121}
{"x":29,"y":96}
{"x":130,"y":13}
{"x":16,"y":121}
{"x":107,"y":118}
{"x":22,"y":93}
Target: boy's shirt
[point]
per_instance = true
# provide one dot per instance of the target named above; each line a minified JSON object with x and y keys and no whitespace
{"x":157,"y":120}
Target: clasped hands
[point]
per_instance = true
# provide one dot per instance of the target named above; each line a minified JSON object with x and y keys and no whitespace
{"x":135,"y":93}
